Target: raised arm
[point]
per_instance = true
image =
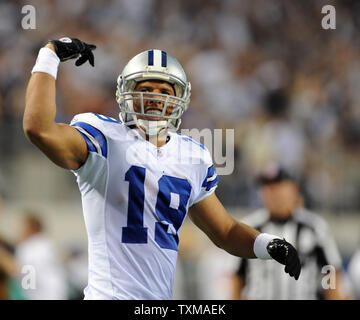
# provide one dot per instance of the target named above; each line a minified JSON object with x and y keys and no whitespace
{"x":60,"y":142}
{"x":240,"y":239}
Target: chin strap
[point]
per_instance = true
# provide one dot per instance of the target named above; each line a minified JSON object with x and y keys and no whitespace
{"x":151,"y":128}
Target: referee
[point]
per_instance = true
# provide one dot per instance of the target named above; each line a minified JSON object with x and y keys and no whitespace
{"x":283,"y":215}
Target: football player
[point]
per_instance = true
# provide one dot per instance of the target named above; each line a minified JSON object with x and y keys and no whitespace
{"x":137,"y":176}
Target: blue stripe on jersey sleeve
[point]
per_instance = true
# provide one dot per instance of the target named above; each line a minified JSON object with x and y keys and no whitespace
{"x":105,"y":118}
{"x":210,"y":173}
{"x":96,"y":134}
{"x":212,"y":184}
{"x":89,"y":144}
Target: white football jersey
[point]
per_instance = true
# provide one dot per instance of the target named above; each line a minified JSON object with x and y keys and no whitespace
{"x":135,"y":197}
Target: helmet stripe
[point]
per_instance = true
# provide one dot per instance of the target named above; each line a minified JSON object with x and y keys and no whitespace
{"x":151,"y":57}
{"x":163,"y":59}
{"x":157,"y":58}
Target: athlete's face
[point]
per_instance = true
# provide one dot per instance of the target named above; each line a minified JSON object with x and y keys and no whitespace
{"x":280,"y":198}
{"x":151,"y":106}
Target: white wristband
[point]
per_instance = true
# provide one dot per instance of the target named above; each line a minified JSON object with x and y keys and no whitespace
{"x":47,"y":62}
{"x":260,"y":244}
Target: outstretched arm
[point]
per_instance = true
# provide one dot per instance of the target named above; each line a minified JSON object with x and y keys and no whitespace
{"x":235,"y":237}
{"x":60,"y":142}
{"x":240,"y":239}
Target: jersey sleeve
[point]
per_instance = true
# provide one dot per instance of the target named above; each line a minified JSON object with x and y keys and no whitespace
{"x":208,"y":179}
{"x":93,"y":130}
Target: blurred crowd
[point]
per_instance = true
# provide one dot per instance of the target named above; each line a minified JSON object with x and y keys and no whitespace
{"x":266,"y":68}
{"x":263,"y":67}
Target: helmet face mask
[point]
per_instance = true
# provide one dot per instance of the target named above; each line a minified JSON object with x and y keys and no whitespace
{"x":147,"y":66}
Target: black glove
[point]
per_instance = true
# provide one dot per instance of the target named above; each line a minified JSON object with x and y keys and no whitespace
{"x":67,"y":48}
{"x":284,"y":253}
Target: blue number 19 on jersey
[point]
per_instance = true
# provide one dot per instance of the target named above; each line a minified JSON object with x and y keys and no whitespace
{"x":170,"y":219}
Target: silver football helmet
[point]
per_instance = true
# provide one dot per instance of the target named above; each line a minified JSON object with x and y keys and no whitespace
{"x":153,"y":65}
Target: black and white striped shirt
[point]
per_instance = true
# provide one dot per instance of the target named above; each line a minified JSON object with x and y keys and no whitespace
{"x":311,"y":236}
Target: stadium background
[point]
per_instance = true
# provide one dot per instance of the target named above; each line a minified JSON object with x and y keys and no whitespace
{"x":263,"y":67}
